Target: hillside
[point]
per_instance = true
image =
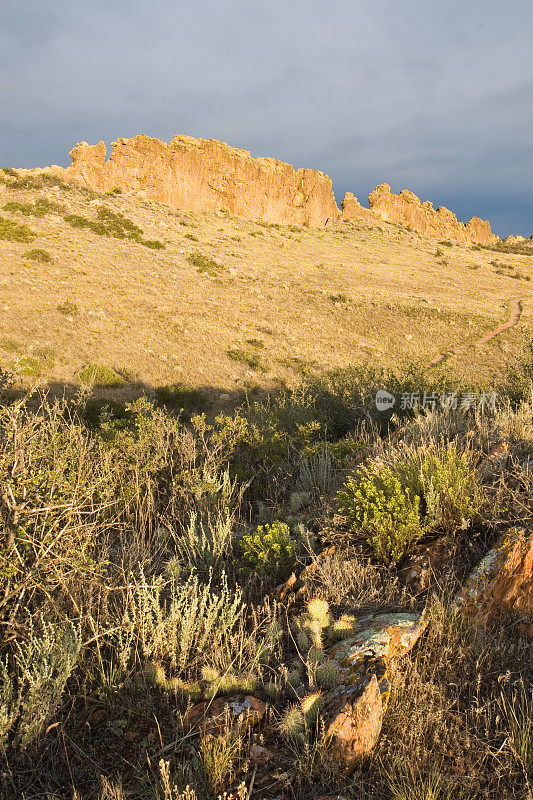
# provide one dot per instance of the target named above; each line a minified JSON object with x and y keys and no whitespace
{"x":228,"y":303}
{"x":226,"y":572}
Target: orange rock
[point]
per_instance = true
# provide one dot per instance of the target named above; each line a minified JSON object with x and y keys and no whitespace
{"x":207,"y":175}
{"x":407,"y":209}
{"x":352,"y":209}
{"x":353,"y":721}
{"x":213,"y":718}
{"x":503,"y":581}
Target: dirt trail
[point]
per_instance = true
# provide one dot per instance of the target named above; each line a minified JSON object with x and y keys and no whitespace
{"x":515,"y":312}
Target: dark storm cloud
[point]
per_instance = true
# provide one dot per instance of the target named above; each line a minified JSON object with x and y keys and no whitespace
{"x":431,"y":95}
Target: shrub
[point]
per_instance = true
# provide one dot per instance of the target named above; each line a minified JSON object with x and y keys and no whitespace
{"x":253,"y":360}
{"x":99,"y":410}
{"x":205,"y":264}
{"x":382,"y":511}
{"x":42,"y":665}
{"x":183,"y":399}
{"x":153,"y":244}
{"x":10,"y":345}
{"x":39,"y":255}
{"x":38,"y":182}
{"x":270,"y":551}
{"x":446,"y":243}
{"x":99,"y":375}
{"x":28,"y":209}
{"x":15,"y":233}
{"x":447,"y":485}
{"x":82,"y":222}
{"x":29,"y":366}
{"x":117,"y":224}
{"x":68,"y":308}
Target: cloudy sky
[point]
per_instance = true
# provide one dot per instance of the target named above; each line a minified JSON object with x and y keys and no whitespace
{"x":431,"y":95}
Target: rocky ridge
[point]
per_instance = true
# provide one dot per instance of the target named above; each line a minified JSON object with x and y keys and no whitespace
{"x":208,"y":175}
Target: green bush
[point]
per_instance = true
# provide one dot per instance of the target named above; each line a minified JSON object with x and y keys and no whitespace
{"x":392,"y":505}
{"x":82,"y":222}
{"x":38,"y":182}
{"x":99,"y":410}
{"x":28,"y":209}
{"x":382,"y":511}
{"x":270,"y":551}
{"x":153,"y":244}
{"x":252,"y":360}
{"x":42,"y":665}
{"x":205,"y":264}
{"x":446,"y":483}
{"x":9,"y":344}
{"x":183,"y":399}
{"x":15,"y":233}
{"x":67,"y":308}
{"x":117,"y":224}
{"x":98,"y":375}
{"x":39,"y":255}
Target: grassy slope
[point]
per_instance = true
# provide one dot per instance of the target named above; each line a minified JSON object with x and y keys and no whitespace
{"x":323,"y":297}
{"x":99,"y":521}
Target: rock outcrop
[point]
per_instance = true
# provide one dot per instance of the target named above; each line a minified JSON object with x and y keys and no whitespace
{"x":353,"y":711}
{"x":407,"y":209}
{"x":207,"y":175}
{"x":352,"y":209}
{"x":503,"y":580}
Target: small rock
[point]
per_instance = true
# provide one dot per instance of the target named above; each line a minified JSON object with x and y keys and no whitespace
{"x":353,"y":718}
{"x":212,"y":717}
{"x":260,"y":755}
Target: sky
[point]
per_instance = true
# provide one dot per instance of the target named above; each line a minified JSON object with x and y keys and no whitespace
{"x":431,"y":95}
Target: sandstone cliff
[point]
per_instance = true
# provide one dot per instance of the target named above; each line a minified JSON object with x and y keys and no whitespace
{"x":207,"y":175}
{"x":440,"y":223}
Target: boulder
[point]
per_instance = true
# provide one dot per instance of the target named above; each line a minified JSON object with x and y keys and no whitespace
{"x":353,"y":711}
{"x":353,"y":721}
{"x":503,"y":580}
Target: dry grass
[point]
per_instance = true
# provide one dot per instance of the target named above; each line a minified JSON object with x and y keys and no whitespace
{"x":127,"y":591}
{"x":167,"y":320}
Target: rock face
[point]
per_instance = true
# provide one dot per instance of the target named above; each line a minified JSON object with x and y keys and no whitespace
{"x":407,"y":209}
{"x":503,"y":581}
{"x":207,"y":175}
{"x":352,"y":209}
